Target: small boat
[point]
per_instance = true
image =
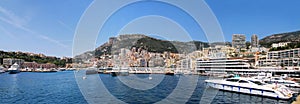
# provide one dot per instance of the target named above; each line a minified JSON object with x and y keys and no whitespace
{"x":188,"y":72}
{"x":251,"y":86}
{"x":2,"y":70}
{"x":169,"y":73}
{"x":14,"y":69}
{"x":91,"y":71}
{"x":178,"y":72}
{"x":62,"y":69}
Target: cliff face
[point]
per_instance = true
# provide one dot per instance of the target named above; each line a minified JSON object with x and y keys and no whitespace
{"x":293,"y":37}
{"x":147,"y":43}
{"x":144,"y":42}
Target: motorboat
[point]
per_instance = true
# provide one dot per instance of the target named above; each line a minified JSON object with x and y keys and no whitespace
{"x":91,"y":71}
{"x":1,"y":70}
{"x":169,"y":72}
{"x":178,"y":72}
{"x":14,"y":69}
{"x":278,"y":80}
{"x":251,"y":86}
{"x":268,"y":78}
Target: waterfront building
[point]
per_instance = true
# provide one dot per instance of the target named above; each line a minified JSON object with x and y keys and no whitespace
{"x":185,"y":64}
{"x":33,"y":65}
{"x":11,"y":61}
{"x":286,"y":59}
{"x":238,"y":41}
{"x":221,"y":63}
{"x":48,"y":66}
{"x":254,"y":40}
{"x":156,"y":61}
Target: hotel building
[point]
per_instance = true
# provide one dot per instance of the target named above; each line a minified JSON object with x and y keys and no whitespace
{"x":285,"y":59}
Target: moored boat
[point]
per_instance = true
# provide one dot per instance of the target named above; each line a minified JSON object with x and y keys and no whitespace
{"x":169,"y":73}
{"x":251,"y":86}
{"x":278,"y":80}
{"x":120,"y":72}
{"x":178,"y":72}
{"x":2,"y":69}
{"x":14,"y":69}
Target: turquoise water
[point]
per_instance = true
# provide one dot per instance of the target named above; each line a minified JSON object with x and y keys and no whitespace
{"x":61,"y":87}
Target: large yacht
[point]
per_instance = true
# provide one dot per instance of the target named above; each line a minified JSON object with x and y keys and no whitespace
{"x":251,"y":86}
{"x":120,"y":72}
{"x":14,"y":69}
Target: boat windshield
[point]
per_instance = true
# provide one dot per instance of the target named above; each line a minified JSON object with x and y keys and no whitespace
{"x":257,"y":82}
{"x":232,"y":80}
{"x":243,"y":81}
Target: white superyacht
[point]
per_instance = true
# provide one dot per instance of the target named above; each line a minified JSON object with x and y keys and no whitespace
{"x":251,"y":86}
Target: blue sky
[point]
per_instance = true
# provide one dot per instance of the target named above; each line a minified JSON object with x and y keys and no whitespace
{"x":48,"y":26}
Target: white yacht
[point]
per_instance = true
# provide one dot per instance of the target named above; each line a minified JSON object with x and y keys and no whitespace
{"x":251,"y":86}
{"x":178,"y":72}
{"x":120,"y":72}
{"x":1,"y":70}
{"x":278,"y":80}
{"x":268,"y":78}
{"x":14,"y":69}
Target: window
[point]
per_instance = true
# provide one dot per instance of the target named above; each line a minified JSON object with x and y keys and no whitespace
{"x":232,"y":80}
{"x":243,"y":81}
{"x":257,"y":82}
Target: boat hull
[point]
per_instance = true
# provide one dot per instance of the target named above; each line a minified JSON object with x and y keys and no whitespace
{"x":119,"y":73}
{"x":169,"y":73}
{"x":13,"y":71}
{"x":2,"y":71}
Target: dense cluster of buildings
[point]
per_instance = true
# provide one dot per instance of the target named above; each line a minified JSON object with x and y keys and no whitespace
{"x":251,"y":52}
{"x":284,"y":59}
{"x":7,"y":62}
{"x":256,"y":56}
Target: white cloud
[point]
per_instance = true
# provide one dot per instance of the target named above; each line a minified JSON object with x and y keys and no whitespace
{"x":14,"y":20}
{"x":9,"y":16}
{"x":66,"y":26}
{"x":53,"y":41}
{"x":7,"y":32}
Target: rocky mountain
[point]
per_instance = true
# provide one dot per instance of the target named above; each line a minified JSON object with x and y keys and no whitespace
{"x":140,"y":41}
{"x":293,"y":37}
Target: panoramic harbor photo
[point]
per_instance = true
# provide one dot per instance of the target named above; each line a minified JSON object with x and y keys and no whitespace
{"x":149,"y":51}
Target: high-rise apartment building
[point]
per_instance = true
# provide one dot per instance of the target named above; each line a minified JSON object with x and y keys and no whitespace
{"x":238,"y":41}
{"x":254,"y":40}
